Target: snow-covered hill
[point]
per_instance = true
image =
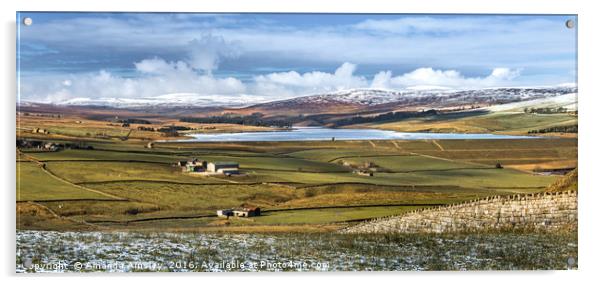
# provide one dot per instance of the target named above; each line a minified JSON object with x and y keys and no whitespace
{"x":568,"y":101}
{"x":354,"y":98}
{"x":438,"y":97}
{"x":168,"y":100}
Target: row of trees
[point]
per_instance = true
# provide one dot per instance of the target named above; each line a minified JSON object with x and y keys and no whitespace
{"x":557,"y":129}
{"x":134,"y":121}
{"x":391,"y":116}
{"x":546,"y":110}
{"x":255,"y":119}
{"x":172,"y":131}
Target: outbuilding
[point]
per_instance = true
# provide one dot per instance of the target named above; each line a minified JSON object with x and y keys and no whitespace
{"x":225,"y":213}
{"x":223,"y":167}
{"x":247,"y":212}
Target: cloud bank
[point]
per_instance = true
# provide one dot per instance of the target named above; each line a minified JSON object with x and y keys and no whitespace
{"x":267,"y":57}
{"x":159,"y":77}
{"x":538,"y":44}
{"x":427,"y":76}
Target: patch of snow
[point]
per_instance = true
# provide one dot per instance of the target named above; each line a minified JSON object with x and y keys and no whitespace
{"x":361,"y":97}
{"x":568,"y":101}
{"x":169,"y":100}
{"x":373,"y":97}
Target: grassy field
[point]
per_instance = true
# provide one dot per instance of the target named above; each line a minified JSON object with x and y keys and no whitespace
{"x":35,"y":184}
{"x":106,"y":127}
{"x":329,"y":215}
{"x":313,"y":181}
{"x":300,"y":186}
{"x":511,"y":122}
{"x":78,"y":154}
{"x":98,"y":171}
{"x":409,"y":163}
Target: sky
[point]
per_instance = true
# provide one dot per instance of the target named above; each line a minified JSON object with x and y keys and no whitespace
{"x":264,"y":57}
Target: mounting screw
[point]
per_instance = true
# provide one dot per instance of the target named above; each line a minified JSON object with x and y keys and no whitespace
{"x":27,"y":21}
{"x":571,"y":261}
{"x":569,"y":24}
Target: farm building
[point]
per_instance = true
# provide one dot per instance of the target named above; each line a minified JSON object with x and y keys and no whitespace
{"x":225,"y":213}
{"x":363,"y":172}
{"x":40,"y":131}
{"x":194,"y":165}
{"x":51,"y":146}
{"x":240,"y":212}
{"x":197,"y":166}
{"x":247,"y":212}
{"x":223,"y":167}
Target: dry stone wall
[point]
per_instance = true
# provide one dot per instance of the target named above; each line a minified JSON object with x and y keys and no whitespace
{"x":540,"y":211}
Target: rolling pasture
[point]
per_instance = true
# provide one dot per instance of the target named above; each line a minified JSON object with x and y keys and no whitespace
{"x":35,"y":184}
{"x":512,"y":121}
{"x":304,"y":184}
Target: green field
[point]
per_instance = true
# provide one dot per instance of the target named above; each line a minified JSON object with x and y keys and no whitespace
{"x":410,"y":163}
{"x":34,"y":184}
{"x":330,"y":215}
{"x":96,"y":171}
{"x":292,"y":176}
{"x":512,"y":122}
{"x":78,"y":154}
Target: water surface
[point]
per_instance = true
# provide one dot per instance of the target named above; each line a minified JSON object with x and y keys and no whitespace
{"x":324,"y":134}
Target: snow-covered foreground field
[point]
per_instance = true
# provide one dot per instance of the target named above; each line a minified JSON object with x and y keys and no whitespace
{"x":41,"y":251}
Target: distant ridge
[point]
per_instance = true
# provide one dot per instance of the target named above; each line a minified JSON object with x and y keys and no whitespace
{"x":353,"y":99}
{"x":379,"y":99}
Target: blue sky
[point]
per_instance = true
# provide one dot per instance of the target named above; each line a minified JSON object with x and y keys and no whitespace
{"x":272,"y":56}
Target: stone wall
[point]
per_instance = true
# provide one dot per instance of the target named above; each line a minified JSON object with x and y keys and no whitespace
{"x":540,"y":211}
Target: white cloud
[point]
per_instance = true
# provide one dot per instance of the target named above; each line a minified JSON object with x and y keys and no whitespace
{"x":427,"y":76}
{"x":504,"y":73}
{"x":381,"y":79}
{"x":203,"y":53}
{"x":294,"y":83}
{"x":382,"y":42}
{"x":206,"y":51}
{"x":161,"y":77}
{"x":158,"y":66}
{"x":157,"y":77}
{"x":58,"y":96}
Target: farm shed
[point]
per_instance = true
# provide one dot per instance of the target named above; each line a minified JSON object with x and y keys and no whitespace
{"x":225,"y":213}
{"x":51,"y":146}
{"x":196,"y":165}
{"x":40,"y":131}
{"x":247,"y":212}
{"x":223,"y":167}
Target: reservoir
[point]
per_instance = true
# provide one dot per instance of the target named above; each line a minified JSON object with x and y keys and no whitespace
{"x":324,"y":134}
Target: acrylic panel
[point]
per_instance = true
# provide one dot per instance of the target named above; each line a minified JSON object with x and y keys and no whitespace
{"x":295,"y":142}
